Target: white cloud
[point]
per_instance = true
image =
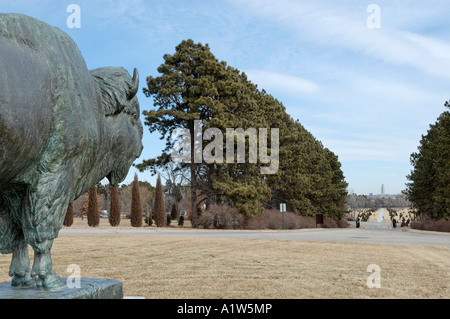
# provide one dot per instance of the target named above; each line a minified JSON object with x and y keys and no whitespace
{"x":342,"y":27}
{"x":279,"y":82}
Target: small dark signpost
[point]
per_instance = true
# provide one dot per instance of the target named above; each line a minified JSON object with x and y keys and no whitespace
{"x":283,"y":210}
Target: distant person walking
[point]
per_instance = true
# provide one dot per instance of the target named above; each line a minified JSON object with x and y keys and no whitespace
{"x":394,"y":223}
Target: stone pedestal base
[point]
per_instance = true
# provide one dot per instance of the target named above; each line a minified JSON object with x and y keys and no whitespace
{"x":90,"y":288}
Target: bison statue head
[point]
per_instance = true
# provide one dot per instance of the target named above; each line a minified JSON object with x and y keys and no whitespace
{"x":121,"y":106}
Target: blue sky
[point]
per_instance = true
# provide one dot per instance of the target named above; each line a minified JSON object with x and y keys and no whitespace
{"x":367,"y":93}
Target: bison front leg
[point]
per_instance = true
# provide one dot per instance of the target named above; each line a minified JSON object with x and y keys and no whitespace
{"x":43,"y":217}
{"x":42,"y":268}
{"x":19,"y":269}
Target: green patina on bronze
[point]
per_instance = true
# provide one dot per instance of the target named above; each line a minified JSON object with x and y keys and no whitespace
{"x":63,"y":128}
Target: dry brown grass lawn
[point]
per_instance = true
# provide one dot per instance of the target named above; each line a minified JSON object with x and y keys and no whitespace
{"x":168,"y":267}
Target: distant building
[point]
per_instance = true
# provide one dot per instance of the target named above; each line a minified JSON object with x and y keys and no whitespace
{"x":382,"y":189}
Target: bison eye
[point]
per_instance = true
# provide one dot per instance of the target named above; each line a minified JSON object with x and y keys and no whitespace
{"x":132,"y":108}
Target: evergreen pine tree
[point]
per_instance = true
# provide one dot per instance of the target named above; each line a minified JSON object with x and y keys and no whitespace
{"x":429,"y":186}
{"x":194,"y":85}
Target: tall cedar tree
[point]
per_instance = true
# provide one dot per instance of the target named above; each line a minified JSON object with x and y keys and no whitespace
{"x":429,"y":186}
{"x":174,"y":212}
{"x":114,"y":209}
{"x":159,"y":210}
{"x":68,"y":220}
{"x":136,"y":207}
{"x":93,"y":215}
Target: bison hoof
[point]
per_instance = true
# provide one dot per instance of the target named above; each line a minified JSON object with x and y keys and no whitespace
{"x":25,"y":281}
{"x":50,"y":281}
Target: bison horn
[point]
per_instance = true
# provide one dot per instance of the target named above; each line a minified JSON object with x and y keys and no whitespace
{"x":136,"y":77}
{"x":135,"y":87}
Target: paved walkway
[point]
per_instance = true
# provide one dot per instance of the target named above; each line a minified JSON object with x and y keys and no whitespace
{"x":380,"y":233}
{"x":380,"y":215}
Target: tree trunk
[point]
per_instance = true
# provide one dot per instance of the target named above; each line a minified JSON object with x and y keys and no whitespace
{"x":194,"y":220}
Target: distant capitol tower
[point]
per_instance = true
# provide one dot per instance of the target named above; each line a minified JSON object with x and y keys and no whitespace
{"x":382,"y":189}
